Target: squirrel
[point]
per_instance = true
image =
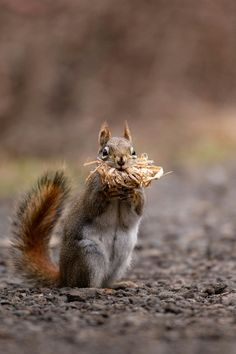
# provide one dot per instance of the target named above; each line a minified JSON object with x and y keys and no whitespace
{"x":99,"y":230}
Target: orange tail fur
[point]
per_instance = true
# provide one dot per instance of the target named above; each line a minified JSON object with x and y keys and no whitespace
{"x":36,"y":216}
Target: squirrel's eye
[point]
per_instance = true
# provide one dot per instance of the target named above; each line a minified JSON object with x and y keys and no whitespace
{"x":133,"y":152}
{"x":105,"y":152}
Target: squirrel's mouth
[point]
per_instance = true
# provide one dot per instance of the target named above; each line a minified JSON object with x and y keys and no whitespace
{"x":122,"y":168}
{"x":118,"y":167}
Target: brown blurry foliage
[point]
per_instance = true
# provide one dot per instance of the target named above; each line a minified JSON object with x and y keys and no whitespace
{"x":65,"y":66}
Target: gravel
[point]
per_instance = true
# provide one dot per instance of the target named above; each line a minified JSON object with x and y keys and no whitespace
{"x":184,"y":268}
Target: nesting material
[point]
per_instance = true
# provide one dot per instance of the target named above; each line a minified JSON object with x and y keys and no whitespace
{"x":140,"y":174}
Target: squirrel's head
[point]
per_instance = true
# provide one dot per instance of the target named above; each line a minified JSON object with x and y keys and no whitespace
{"x":118,"y":152}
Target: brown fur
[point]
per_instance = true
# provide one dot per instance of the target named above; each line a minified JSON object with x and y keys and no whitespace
{"x":36,"y":216}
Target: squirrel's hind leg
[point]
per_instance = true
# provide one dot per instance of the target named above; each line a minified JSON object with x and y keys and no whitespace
{"x":95,"y":263}
{"x":124,"y":285}
{"x":86,"y":268}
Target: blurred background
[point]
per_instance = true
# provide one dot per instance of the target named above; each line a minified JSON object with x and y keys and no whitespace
{"x":168,"y":67}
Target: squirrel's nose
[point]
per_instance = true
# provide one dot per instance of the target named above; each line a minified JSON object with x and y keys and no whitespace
{"x":121,"y":161}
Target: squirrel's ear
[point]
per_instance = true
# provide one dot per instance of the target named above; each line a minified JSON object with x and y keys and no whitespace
{"x":127,"y":134}
{"x":104,"y":134}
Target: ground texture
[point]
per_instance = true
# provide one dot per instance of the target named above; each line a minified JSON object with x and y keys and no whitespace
{"x":185,"y":269}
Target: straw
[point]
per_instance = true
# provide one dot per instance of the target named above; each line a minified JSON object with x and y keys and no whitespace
{"x":140,"y":174}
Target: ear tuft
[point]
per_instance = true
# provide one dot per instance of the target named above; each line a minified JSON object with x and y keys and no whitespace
{"x":104,"y":134}
{"x":127,"y":133}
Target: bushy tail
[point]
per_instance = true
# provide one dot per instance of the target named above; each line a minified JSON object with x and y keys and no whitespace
{"x":35,"y":218}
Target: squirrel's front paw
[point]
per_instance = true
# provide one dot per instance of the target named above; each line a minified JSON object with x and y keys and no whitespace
{"x":127,"y":194}
{"x":122,"y":193}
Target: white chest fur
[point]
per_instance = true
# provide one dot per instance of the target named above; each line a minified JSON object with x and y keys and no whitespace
{"x":116,"y":232}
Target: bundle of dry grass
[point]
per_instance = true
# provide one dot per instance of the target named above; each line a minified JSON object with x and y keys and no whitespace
{"x":140,"y":174}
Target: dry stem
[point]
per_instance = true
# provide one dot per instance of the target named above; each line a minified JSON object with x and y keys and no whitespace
{"x":140,"y":174}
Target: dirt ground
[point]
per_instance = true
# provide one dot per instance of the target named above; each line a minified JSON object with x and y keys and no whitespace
{"x":185,"y":269}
